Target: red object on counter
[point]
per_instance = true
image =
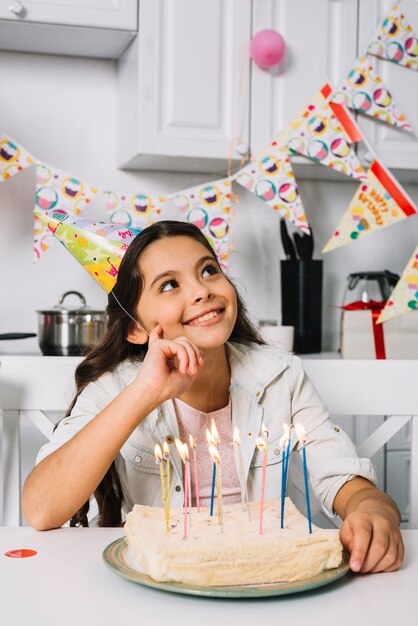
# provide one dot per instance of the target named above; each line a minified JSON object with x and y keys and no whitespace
{"x":375,"y":307}
{"x":22,"y":553}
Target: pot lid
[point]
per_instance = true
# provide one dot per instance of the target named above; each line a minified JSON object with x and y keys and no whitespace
{"x":61,"y":308}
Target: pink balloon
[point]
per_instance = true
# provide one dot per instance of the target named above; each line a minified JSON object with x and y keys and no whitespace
{"x":267,"y":48}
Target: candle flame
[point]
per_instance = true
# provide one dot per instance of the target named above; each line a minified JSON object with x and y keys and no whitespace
{"x":209,"y":437}
{"x":183,"y":450}
{"x":192,"y":442}
{"x":215,"y":434}
{"x":237,"y":438}
{"x":300,"y":432}
{"x":158,"y":453}
{"x":166,"y":450}
{"x":285,"y":437}
{"x":214,"y":453}
{"x":260,"y":443}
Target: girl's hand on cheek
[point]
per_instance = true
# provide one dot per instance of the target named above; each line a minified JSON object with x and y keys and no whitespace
{"x":169,"y":367}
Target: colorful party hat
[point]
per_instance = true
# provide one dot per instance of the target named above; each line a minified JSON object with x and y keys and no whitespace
{"x":61,"y":192}
{"x":98,"y":246}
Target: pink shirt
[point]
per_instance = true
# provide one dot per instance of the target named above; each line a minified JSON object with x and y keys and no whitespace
{"x":194,"y":422}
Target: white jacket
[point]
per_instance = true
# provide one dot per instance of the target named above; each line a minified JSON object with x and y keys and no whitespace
{"x":268,"y":386}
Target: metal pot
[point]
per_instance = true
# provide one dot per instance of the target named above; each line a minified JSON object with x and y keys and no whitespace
{"x":64,"y":331}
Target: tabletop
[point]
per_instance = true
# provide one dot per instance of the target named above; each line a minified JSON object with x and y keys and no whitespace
{"x":67,"y":583}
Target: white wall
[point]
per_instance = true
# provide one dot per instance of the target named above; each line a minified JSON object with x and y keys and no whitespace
{"x":63,"y":110}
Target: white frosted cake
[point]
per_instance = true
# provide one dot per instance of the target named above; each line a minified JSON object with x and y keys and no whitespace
{"x":237,"y":555}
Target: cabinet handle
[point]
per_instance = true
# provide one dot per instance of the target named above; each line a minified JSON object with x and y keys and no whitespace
{"x":18,"y":9}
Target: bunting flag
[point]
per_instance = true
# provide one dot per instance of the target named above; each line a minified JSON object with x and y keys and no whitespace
{"x":58,"y":193}
{"x":13,"y":157}
{"x":364,"y":92}
{"x":404,"y":297}
{"x":98,"y":246}
{"x":133,"y":210}
{"x":271,"y":179}
{"x":378,"y":202}
{"x":209,"y":208}
{"x":395,"y":40}
{"x":324,"y":132}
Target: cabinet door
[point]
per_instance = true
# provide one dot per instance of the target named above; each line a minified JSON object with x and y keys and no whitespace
{"x":93,"y":13}
{"x":320,"y":41}
{"x":396,"y":148}
{"x":184,"y":85}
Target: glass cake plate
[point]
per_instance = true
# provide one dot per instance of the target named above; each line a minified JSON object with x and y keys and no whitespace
{"x":116,"y":556}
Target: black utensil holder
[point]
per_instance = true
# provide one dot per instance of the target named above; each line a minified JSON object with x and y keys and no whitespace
{"x":301,"y":289}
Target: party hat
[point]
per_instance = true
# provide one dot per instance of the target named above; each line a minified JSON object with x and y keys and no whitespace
{"x":98,"y":246}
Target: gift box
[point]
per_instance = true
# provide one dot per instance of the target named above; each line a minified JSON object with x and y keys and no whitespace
{"x":362,"y":338}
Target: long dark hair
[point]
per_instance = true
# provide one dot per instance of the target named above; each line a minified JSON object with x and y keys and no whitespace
{"x":114,"y":348}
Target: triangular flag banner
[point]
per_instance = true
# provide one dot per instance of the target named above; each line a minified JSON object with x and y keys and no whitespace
{"x":98,"y":246}
{"x":13,"y":157}
{"x":378,"y":202}
{"x":133,"y":210}
{"x":364,"y":92}
{"x":58,"y":193}
{"x":271,"y":179}
{"x":209,"y":208}
{"x":324,"y":132}
{"x":404,"y":297}
{"x":395,"y":40}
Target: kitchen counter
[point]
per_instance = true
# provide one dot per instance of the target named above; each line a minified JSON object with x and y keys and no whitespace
{"x":68,"y":583}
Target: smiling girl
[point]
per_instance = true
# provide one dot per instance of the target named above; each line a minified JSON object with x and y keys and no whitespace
{"x":180,"y":351}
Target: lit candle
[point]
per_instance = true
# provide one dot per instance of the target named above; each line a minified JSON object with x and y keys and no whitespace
{"x":184,"y":455}
{"x":244,"y":491}
{"x":262,"y":445}
{"x":214,"y":452}
{"x":196,"y":482}
{"x":285,"y":444}
{"x":166,"y":454}
{"x":301,"y":435}
{"x":213,"y":440}
{"x":159,"y":459}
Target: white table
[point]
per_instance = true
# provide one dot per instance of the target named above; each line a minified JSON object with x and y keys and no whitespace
{"x":67,"y":583}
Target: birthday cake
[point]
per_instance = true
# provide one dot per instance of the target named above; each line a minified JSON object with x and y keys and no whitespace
{"x":234,"y":553}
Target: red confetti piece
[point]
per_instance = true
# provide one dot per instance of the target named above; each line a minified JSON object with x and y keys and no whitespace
{"x":23,"y":553}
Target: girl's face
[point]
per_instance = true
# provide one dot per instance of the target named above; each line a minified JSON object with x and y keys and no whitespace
{"x":185,"y":292}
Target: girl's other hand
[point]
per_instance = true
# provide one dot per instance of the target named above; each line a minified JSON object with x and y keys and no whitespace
{"x":373,"y":540}
{"x":169,"y":367}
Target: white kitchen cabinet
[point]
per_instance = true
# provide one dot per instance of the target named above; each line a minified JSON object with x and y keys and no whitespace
{"x":184,"y":85}
{"x":183,"y":110}
{"x":96,"y":28}
{"x":321,"y":41}
{"x":188,"y":89}
{"x":396,"y":148}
